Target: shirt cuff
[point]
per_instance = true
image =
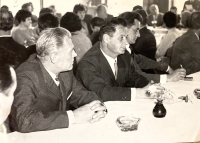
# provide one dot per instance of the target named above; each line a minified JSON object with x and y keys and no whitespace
{"x":167,"y":69}
{"x":70,"y":117}
{"x":163,"y":78}
{"x":133,"y":94}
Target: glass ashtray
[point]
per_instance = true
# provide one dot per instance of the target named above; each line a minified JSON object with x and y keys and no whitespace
{"x":127,"y":123}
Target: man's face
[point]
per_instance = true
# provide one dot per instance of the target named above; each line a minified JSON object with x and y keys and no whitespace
{"x":6,"y":98}
{"x":133,"y":32}
{"x":154,"y":10}
{"x":117,"y":42}
{"x":30,"y":8}
{"x":81,"y":14}
{"x":66,"y":55}
{"x":27,"y":22}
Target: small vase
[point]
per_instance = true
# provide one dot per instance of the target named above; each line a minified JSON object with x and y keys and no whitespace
{"x":159,"y":110}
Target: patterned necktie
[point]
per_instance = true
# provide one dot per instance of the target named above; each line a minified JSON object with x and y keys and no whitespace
{"x":116,"y":69}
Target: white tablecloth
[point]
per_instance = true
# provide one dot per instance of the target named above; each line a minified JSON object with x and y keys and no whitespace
{"x":181,"y":124}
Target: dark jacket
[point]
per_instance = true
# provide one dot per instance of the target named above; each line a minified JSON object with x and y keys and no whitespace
{"x":159,"y":20}
{"x":186,"y":52}
{"x":96,"y":75}
{"x":39,"y":104}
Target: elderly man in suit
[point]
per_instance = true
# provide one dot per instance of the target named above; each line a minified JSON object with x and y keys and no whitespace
{"x":47,"y":89}
{"x":106,"y":68}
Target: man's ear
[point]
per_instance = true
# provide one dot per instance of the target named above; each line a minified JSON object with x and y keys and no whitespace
{"x":106,"y":38}
{"x":54,"y":58}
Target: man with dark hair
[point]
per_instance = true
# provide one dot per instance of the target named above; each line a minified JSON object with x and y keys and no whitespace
{"x":81,"y":11}
{"x":29,"y":7}
{"x":170,"y":20}
{"x":106,"y":68}
{"x":6,"y":40}
{"x":82,"y":43}
{"x":137,"y":7}
{"x":185,"y":50}
{"x":46,"y":10}
{"x":45,"y":21}
{"x":102,"y":12}
{"x":96,"y":24}
{"x":47,"y":89}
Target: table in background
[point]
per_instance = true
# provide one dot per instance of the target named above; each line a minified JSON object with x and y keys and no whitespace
{"x":181,"y":124}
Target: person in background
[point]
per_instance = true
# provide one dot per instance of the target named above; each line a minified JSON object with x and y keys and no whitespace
{"x":145,"y":43}
{"x":47,"y":89}
{"x":29,"y":7}
{"x":23,"y":34}
{"x":137,"y":7}
{"x":96,"y":24}
{"x":184,"y":20}
{"x":155,"y":17}
{"x":46,"y":20}
{"x":133,"y":20}
{"x":191,"y":5}
{"x":168,"y":39}
{"x":106,"y":68}
{"x":8,"y":83}
{"x":59,"y":15}
{"x":46,"y":10}
{"x":102,"y":12}
{"x":174,"y":10}
{"x":81,"y":42}
{"x":6,"y":40}
{"x":185,"y":50}
{"x":4,"y":7}
{"x":81,"y":10}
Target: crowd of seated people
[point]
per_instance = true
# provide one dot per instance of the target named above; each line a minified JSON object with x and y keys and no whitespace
{"x":65,"y":71}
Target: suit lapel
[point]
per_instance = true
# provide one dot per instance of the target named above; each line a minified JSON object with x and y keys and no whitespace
{"x":105,"y":67}
{"x":121,"y":71}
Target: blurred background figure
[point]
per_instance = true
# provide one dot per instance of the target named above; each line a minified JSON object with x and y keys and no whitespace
{"x":185,"y":50}
{"x":6,"y":40}
{"x":59,"y":15}
{"x":137,"y":7}
{"x":96,"y":24}
{"x":191,"y":5}
{"x":8,"y":85}
{"x":168,"y":39}
{"x":46,"y":20}
{"x":24,"y":34}
{"x":4,"y":8}
{"x":184,"y":20}
{"x":29,"y":7}
{"x":81,"y":11}
{"x":82,"y":43}
{"x":155,"y":17}
{"x":102,"y":12}
{"x":46,"y":10}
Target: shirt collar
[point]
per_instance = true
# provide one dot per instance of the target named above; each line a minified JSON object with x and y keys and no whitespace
{"x":110,"y":60}
{"x":5,"y":36}
{"x":197,"y":35}
{"x":53,"y":76}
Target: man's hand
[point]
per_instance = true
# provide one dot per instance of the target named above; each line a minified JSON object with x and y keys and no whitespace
{"x":149,"y":91}
{"x":176,"y":75}
{"x":91,"y":112}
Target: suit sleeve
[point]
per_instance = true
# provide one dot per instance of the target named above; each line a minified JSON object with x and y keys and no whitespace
{"x":90,"y":76}
{"x":146,"y":63}
{"x":29,"y":114}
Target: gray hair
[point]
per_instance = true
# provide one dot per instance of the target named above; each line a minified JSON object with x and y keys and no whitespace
{"x":50,"y":40}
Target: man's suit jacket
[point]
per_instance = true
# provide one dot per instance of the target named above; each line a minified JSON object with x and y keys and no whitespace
{"x":185,"y":51}
{"x":159,"y":20}
{"x":145,"y":44}
{"x":39,"y":104}
{"x":96,"y":75}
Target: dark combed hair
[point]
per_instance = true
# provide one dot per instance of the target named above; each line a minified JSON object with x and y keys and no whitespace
{"x":71,"y":22}
{"x":194,"y":20}
{"x":129,"y":17}
{"x":4,"y":7}
{"x":99,"y":7}
{"x":97,"y":21}
{"x":79,"y":7}
{"x":24,"y":6}
{"x":170,"y":19}
{"x":22,"y":15}
{"x":137,"y":7}
{"x":144,"y":15}
{"x":110,"y":27}
{"x":5,"y":77}
{"x":6,"y":20}
{"x":45,"y":10}
{"x":47,"y":21}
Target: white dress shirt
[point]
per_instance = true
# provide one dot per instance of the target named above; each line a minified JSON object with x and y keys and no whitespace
{"x":69,"y":112}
